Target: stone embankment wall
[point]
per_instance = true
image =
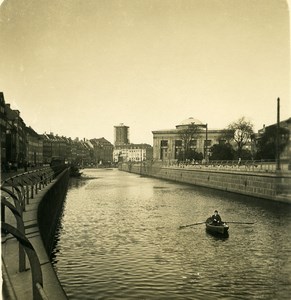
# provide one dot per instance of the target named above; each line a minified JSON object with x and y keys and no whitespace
{"x":50,"y":208}
{"x":273,"y":186}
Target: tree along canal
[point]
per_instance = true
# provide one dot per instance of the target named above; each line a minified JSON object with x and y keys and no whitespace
{"x":119,"y":238}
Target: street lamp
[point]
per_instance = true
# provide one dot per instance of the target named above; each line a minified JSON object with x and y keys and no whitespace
{"x":206,"y":144}
{"x":278,"y":166}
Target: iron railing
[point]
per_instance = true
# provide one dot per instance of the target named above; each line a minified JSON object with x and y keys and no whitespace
{"x":230,"y":165}
{"x":16,"y":192}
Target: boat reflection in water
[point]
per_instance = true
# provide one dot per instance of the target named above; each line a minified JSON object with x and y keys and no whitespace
{"x":217,"y":235}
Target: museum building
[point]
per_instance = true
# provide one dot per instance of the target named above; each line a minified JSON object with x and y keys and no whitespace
{"x":168,"y":144}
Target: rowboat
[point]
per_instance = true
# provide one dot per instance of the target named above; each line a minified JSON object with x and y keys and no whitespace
{"x":219,"y":229}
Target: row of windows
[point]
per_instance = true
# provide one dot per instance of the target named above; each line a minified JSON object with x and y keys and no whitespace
{"x":135,"y":150}
{"x":178,"y":143}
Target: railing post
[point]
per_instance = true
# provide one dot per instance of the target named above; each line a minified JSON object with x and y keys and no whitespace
{"x":32,"y":191}
{"x":12,"y":184}
{"x":33,"y":259}
{"x":2,"y":210}
{"x":17,"y":212}
{"x":36,"y":188}
{"x":39,"y":180}
{"x":27,"y":190}
{"x":27,"y":186}
{"x":23,"y":188}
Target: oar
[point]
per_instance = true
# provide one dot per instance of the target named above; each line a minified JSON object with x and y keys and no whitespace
{"x":183,"y":226}
{"x":235,"y":222}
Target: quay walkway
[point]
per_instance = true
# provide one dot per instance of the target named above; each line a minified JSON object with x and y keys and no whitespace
{"x":27,"y":272}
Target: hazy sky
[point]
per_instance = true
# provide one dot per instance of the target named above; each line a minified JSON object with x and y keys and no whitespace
{"x":79,"y":67}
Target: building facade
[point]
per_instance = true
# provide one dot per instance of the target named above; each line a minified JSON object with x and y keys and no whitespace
{"x":22,"y":146}
{"x":285,"y":155}
{"x":102,"y":151}
{"x":169,"y":144}
{"x":287,"y":151}
{"x":132,"y":153}
{"x":16,"y":140}
{"x":34,"y":152}
{"x":126,"y":152}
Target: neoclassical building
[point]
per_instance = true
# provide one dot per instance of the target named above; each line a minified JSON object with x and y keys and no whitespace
{"x":167,"y":144}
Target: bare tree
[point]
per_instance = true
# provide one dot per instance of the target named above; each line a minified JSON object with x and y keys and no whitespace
{"x":241,"y":132}
{"x":191,"y":132}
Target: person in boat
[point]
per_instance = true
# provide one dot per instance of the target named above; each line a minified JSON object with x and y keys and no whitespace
{"x":216,"y":219}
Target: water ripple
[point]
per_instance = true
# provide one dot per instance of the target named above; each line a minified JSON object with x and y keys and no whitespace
{"x":119,"y":239}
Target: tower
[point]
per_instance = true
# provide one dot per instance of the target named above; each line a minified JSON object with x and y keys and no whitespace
{"x":121,"y":135}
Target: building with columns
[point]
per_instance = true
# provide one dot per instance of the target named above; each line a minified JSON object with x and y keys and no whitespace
{"x":168,"y":144}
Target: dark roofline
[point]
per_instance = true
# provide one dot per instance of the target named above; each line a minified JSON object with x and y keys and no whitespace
{"x":31,"y":131}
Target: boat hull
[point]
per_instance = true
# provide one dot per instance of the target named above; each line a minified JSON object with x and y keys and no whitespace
{"x":219,"y":229}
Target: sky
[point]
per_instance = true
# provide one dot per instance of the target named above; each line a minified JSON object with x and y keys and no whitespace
{"x":80,"y":67}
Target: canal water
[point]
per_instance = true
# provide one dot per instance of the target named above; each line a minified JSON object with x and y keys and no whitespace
{"x":119,"y":238}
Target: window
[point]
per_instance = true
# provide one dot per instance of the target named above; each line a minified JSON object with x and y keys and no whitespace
{"x":207,"y":143}
{"x":193,"y":143}
{"x":164,"y":149}
{"x":178,"y":148}
{"x":164,"y":143}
